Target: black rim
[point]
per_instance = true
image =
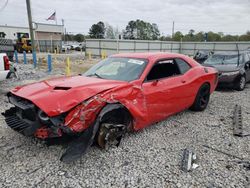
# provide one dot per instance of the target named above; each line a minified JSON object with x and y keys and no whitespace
{"x":204,"y":97}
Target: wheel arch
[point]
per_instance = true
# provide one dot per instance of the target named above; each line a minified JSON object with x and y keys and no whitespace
{"x":116,"y":113}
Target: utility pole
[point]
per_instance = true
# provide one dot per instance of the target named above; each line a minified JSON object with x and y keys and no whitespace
{"x":173,"y":30}
{"x":30,"y":25}
{"x":64,"y":32}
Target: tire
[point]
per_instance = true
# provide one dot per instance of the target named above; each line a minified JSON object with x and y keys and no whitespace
{"x":241,"y":83}
{"x":202,"y":98}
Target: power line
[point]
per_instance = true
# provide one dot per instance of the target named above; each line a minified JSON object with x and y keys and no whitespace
{"x":5,"y":5}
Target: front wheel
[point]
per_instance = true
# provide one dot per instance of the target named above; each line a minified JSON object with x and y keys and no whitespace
{"x":202,"y":98}
{"x":241,"y":83}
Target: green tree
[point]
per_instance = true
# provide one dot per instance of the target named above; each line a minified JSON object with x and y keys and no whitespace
{"x":199,"y":37}
{"x":191,"y":32}
{"x":79,"y":37}
{"x":141,"y":30}
{"x":97,"y":30}
{"x":245,"y":37}
{"x":178,"y":36}
{"x":213,"y":36}
{"x":229,"y":38}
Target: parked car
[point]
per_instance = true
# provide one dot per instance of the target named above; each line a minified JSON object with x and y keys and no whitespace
{"x":125,"y":92}
{"x":80,"y":47}
{"x":234,"y":68}
{"x":66,"y":48}
{"x":202,"y":55}
{"x":4,"y":66}
{"x":73,"y":46}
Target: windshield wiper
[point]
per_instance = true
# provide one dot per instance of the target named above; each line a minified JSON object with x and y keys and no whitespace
{"x":95,"y":74}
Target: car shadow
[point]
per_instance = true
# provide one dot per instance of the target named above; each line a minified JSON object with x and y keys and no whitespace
{"x":228,"y":89}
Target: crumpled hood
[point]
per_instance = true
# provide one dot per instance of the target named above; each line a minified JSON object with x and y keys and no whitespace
{"x":224,"y":68}
{"x":59,"y":95}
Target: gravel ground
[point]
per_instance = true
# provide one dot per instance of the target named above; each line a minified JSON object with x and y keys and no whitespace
{"x":148,"y":158}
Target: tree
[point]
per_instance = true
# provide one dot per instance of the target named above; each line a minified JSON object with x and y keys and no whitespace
{"x":69,"y":37}
{"x":141,"y":30}
{"x":191,"y":32}
{"x":199,"y":37}
{"x":79,"y":37}
{"x":177,"y":36}
{"x":109,"y":33}
{"x":97,"y":30}
{"x":213,"y":36}
{"x":245,"y":37}
{"x":229,"y":38}
{"x":155,"y":32}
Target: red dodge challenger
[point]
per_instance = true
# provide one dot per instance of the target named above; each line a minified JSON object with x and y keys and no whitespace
{"x":125,"y":92}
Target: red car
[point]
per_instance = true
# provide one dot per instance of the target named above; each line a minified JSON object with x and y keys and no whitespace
{"x":125,"y":92}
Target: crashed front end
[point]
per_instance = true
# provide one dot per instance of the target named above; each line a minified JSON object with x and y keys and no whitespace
{"x":28,"y":119}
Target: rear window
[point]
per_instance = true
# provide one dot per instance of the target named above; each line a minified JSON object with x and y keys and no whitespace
{"x":183,"y":66}
{"x":224,"y":59}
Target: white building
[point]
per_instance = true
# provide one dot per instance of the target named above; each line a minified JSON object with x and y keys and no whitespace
{"x":41,"y":31}
{"x":48,"y":37}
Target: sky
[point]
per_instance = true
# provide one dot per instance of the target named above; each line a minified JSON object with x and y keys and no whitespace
{"x":227,"y":16}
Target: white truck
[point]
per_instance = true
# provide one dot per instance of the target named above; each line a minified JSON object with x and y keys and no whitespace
{"x":4,"y":66}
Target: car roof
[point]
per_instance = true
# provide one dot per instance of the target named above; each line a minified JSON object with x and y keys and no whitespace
{"x":230,"y":53}
{"x":148,"y":55}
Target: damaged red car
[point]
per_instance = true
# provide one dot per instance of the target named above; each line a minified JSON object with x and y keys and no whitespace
{"x":125,"y":92}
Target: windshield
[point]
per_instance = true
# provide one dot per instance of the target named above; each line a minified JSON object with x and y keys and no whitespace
{"x":223,"y":59}
{"x":124,"y":69}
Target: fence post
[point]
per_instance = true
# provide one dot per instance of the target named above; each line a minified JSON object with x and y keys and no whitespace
{"x":49,"y":60}
{"x":68,"y":67}
{"x":89,"y":55}
{"x":34,"y":58}
{"x":16,"y":56}
{"x":24,"y":57}
{"x":100,"y":48}
{"x":117,"y":46}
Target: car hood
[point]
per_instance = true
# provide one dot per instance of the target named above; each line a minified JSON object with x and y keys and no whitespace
{"x":59,"y":95}
{"x":224,"y":68}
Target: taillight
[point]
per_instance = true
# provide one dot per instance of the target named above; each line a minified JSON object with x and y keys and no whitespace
{"x":6,"y":63}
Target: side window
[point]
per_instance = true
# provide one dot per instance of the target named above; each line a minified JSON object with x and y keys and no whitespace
{"x":183,"y":65}
{"x":163,"y":69}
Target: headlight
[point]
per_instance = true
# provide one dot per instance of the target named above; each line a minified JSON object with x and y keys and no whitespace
{"x":42,"y":115}
{"x":230,"y":73}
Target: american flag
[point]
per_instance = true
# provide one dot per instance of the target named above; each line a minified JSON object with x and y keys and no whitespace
{"x":52,"y":17}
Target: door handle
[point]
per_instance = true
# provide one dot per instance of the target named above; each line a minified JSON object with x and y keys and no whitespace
{"x":183,"y":81}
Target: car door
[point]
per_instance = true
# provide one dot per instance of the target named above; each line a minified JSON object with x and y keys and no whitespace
{"x":164,"y":89}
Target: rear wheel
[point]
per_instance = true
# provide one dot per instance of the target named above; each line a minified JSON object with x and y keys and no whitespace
{"x":202,"y":98}
{"x":241,"y":83}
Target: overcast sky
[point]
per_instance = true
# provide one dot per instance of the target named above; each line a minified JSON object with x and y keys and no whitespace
{"x":228,"y":16}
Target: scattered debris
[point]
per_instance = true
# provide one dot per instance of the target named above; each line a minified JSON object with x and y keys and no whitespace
{"x":188,"y":160}
{"x":237,"y":121}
